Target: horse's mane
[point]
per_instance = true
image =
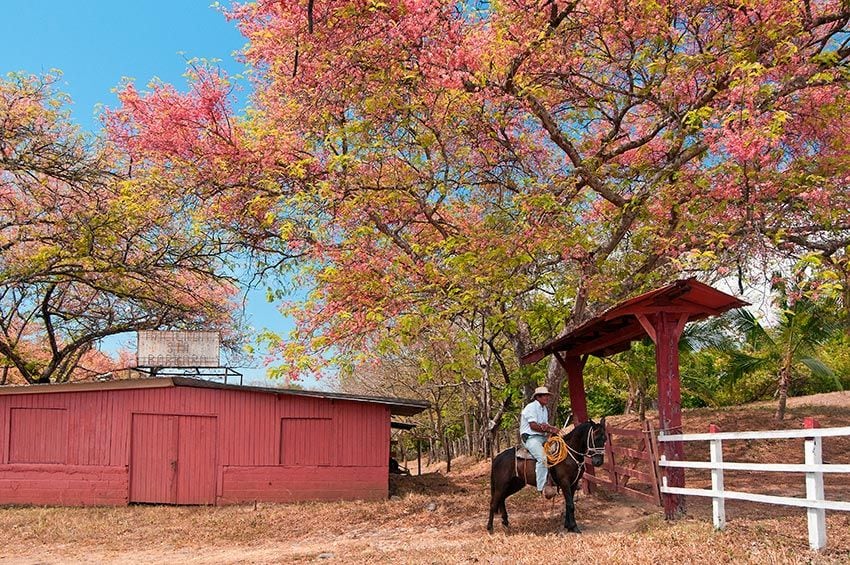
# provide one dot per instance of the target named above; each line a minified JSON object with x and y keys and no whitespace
{"x":580,"y":429}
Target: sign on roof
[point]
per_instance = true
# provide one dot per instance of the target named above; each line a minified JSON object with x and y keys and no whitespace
{"x":178,"y":349}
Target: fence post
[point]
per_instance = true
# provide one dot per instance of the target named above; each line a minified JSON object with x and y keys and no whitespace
{"x":610,"y":464}
{"x":814,"y":487}
{"x":718,"y":503}
{"x":652,"y":450}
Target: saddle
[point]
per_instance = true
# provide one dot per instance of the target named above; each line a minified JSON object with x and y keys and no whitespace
{"x":522,"y":454}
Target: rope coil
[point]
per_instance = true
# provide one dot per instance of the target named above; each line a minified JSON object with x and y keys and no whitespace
{"x":556,"y":450}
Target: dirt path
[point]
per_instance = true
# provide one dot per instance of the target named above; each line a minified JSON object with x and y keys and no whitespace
{"x":446,"y":525}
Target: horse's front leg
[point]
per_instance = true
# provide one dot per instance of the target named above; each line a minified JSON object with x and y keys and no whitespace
{"x":570,"y":511}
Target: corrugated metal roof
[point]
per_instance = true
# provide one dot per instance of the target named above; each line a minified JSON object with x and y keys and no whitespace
{"x":614,"y":330}
{"x":398,"y":406}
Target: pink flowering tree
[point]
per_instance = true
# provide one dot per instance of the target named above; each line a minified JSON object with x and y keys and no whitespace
{"x":89,"y":250}
{"x":510,"y":169}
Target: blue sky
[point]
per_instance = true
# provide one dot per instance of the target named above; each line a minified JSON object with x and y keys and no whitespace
{"x":97,"y":43}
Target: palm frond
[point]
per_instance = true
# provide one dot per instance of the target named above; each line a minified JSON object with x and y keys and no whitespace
{"x":742,"y":364}
{"x":821,"y":370}
{"x":701,"y":387}
{"x":818,"y":325}
{"x":746,"y":323}
{"x":710,"y":334}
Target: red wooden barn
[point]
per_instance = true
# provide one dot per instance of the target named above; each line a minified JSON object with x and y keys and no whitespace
{"x":187,"y":441}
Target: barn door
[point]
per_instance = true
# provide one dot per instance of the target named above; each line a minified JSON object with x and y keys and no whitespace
{"x":153,"y":459}
{"x":172,"y":459}
{"x":196,"y":464}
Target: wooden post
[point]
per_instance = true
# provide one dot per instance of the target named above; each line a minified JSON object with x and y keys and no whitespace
{"x":610,"y":464}
{"x":418,"y":456}
{"x":652,"y":450}
{"x":814,"y":487}
{"x":718,"y":503}
{"x":668,"y":327}
{"x":574,"y":365}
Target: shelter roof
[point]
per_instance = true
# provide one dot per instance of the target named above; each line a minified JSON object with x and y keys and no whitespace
{"x":614,"y":330}
{"x":398,"y":406}
{"x":402,"y":425}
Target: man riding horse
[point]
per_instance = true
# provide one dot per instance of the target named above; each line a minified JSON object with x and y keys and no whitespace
{"x":510,"y":471}
{"x":534,"y":429}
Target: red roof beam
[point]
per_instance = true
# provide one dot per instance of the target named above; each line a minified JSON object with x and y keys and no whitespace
{"x":628,"y":333}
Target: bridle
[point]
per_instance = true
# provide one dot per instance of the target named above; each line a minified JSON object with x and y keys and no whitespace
{"x":590,"y":450}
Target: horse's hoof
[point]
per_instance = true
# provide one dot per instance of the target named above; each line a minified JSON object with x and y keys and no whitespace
{"x":574,"y":530}
{"x":490,"y":530}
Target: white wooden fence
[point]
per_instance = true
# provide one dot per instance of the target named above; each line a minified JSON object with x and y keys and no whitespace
{"x":813,"y":468}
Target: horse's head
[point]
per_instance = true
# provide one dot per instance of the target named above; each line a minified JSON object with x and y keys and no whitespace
{"x":587,"y":440}
{"x":596,"y":442}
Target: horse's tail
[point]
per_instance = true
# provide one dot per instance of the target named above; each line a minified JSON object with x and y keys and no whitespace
{"x":497,"y":462}
{"x":492,"y":480}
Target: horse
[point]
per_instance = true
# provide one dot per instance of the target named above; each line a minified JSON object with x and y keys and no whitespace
{"x":508,"y":474}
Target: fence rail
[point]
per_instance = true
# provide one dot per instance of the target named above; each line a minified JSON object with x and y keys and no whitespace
{"x":770,"y":467}
{"x":814,"y":468}
{"x":765,"y":434}
{"x":764,"y":498}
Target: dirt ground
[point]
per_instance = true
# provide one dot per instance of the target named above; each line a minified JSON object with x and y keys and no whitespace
{"x":440,"y":518}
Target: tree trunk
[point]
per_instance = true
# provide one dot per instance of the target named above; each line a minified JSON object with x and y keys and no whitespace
{"x":555,"y":375}
{"x":631,"y":401}
{"x":467,"y":426}
{"x":495,"y":425}
{"x":846,"y":299}
{"x":486,"y":410}
{"x":784,"y":380}
{"x":477,"y":446}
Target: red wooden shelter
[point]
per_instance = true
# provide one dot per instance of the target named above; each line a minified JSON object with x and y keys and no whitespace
{"x":187,"y":441}
{"x":660,"y":314}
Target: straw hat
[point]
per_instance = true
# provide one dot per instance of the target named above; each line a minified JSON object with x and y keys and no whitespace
{"x":541,"y":390}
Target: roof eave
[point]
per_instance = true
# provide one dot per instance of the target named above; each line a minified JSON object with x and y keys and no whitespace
{"x":672,"y":291}
{"x":398,"y":406}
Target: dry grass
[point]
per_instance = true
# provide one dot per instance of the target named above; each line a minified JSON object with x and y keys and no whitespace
{"x":439,"y":518}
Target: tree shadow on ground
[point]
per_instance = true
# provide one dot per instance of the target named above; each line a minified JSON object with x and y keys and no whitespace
{"x":429,"y":484}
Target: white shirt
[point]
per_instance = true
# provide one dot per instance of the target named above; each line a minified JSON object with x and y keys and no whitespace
{"x":533,"y":412}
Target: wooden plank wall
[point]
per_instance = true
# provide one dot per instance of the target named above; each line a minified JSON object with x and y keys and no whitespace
{"x":249,"y":444}
{"x":38,"y":435}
